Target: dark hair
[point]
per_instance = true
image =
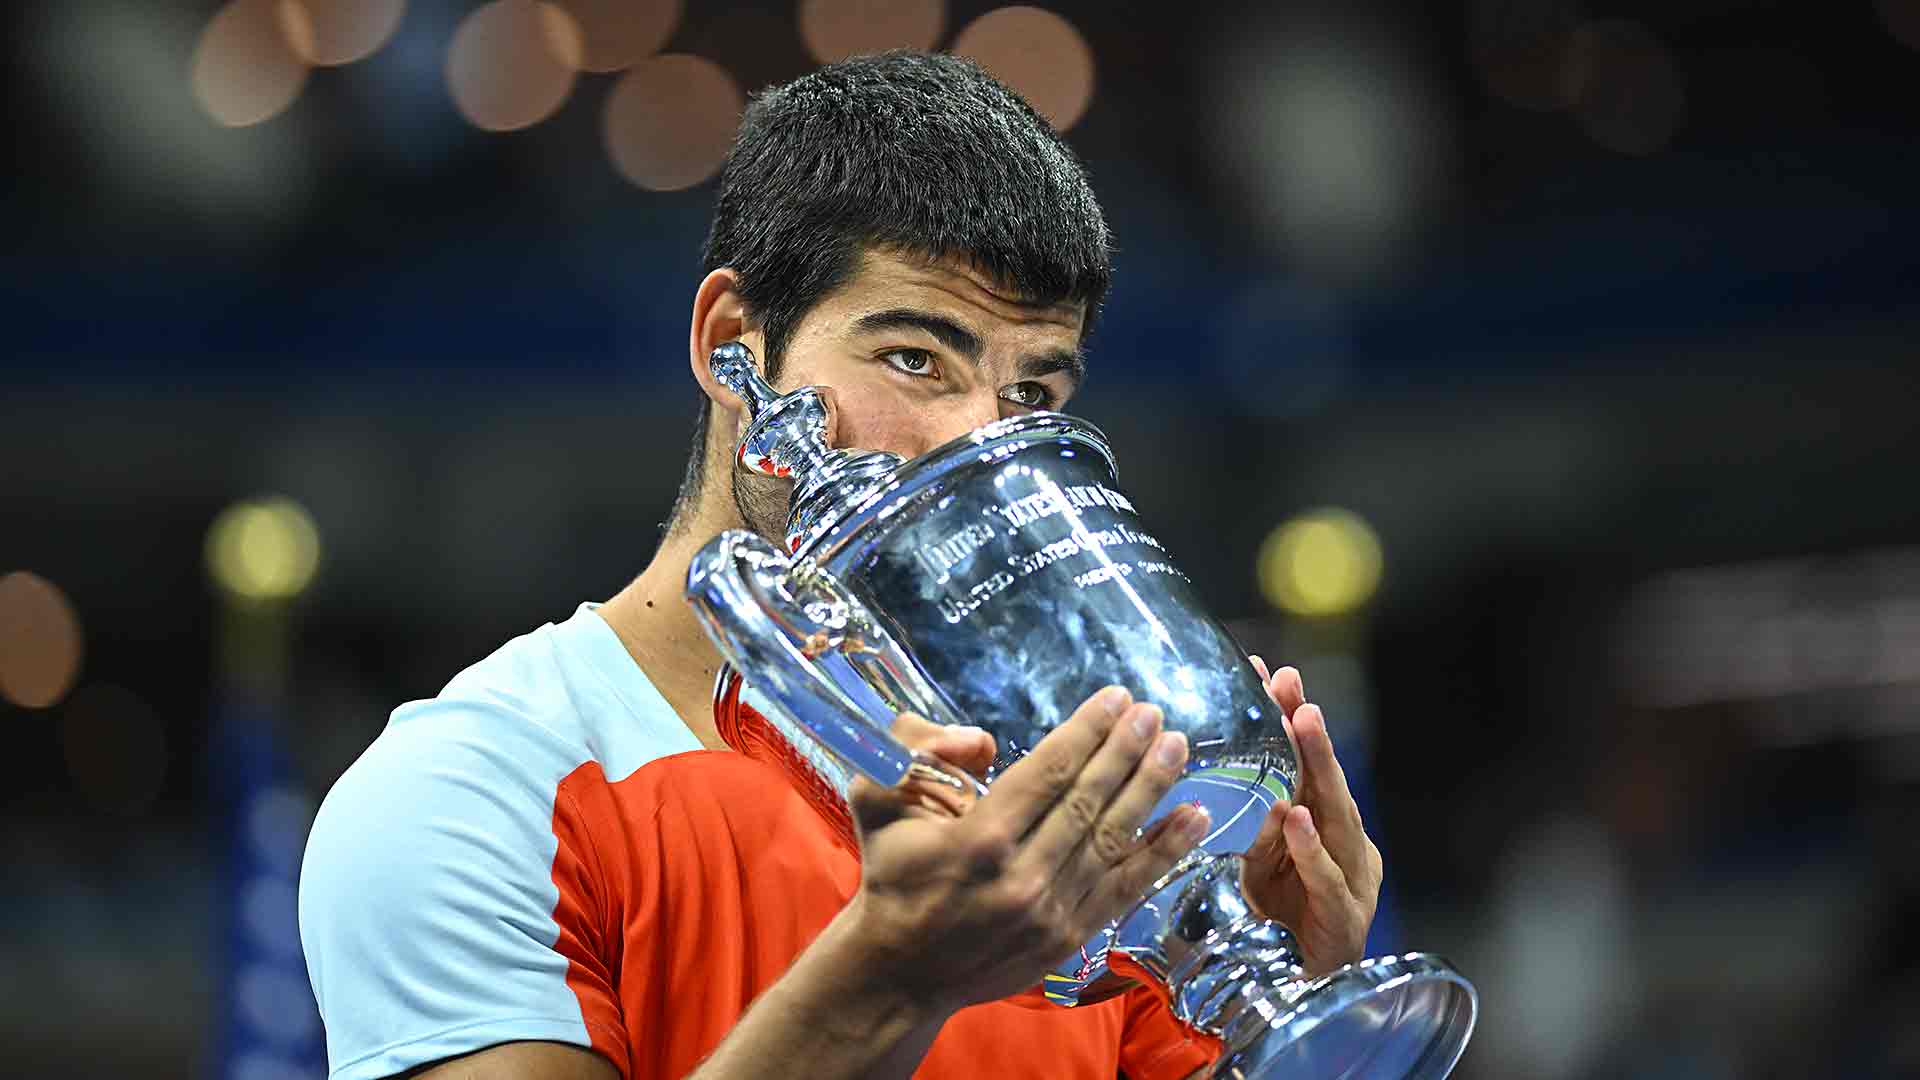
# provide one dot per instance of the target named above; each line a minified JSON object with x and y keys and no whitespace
{"x":924,"y":153}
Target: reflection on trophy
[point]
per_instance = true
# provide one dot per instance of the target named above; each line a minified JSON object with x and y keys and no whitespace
{"x":999,"y":581}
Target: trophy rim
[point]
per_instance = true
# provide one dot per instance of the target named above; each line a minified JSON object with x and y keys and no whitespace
{"x":1260,"y":1039}
{"x":912,"y":477}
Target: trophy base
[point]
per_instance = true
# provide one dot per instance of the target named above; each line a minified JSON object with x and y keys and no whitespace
{"x":1237,"y":976}
{"x":1391,"y":1016}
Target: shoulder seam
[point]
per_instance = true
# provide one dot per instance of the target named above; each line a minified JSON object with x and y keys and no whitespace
{"x":593,"y":851}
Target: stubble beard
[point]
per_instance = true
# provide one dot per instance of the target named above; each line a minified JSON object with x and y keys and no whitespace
{"x":762,"y":504}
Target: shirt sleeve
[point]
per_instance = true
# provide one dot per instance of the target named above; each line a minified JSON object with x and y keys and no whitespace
{"x":440,"y":912}
{"x":1155,"y":1045}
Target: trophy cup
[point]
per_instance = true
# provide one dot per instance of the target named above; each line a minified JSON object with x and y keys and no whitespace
{"x":999,"y":581}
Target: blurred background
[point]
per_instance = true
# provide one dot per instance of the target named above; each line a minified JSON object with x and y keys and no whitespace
{"x":1538,"y":376}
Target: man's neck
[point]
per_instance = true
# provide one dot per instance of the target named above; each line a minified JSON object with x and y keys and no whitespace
{"x":657,"y":625}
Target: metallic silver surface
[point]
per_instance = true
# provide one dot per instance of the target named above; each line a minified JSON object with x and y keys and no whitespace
{"x":1001,"y":580}
{"x":787,"y":437}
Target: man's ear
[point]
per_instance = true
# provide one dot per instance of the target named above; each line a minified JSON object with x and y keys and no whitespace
{"x":719,"y":316}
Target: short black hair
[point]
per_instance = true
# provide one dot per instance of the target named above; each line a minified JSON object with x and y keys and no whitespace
{"x":924,"y":153}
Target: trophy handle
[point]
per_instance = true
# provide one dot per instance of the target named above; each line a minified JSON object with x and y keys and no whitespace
{"x":780,"y":621}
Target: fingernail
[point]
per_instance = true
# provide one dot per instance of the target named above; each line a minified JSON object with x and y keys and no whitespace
{"x":1115,"y":698}
{"x":966,"y":729}
{"x":1312,"y":832}
{"x":1146,"y":720}
{"x":1196,"y":824}
{"x":1171,"y":749}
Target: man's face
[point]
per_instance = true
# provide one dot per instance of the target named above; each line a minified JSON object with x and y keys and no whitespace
{"x":916,"y":355}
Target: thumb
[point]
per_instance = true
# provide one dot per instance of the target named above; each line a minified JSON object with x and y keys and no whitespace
{"x":953,"y":747}
{"x":875,"y":805}
{"x":963,"y":745}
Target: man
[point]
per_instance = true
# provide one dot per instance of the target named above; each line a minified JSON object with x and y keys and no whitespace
{"x":569,"y":864}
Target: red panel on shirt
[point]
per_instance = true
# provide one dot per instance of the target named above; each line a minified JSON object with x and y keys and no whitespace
{"x":690,"y":886}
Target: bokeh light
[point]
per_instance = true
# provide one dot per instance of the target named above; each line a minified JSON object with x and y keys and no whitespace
{"x":343,"y":31}
{"x":1629,"y":95}
{"x":512,"y":63}
{"x":670,"y":120}
{"x":40,"y":641}
{"x":263,"y":549}
{"x":1337,"y":140}
{"x":1902,"y":20}
{"x":836,"y":29}
{"x":1326,"y":562}
{"x":1037,"y":53}
{"x":617,"y":34}
{"x":1521,"y":50}
{"x":250,"y":62}
{"x":116,"y":748}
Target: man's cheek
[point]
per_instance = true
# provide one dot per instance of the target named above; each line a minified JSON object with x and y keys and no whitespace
{"x":877,"y":420}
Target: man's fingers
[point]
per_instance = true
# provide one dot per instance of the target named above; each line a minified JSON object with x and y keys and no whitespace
{"x":1165,"y":844}
{"x":1284,"y":687}
{"x":1287,"y":690}
{"x":874,"y":805}
{"x":1028,"y":789}
{"x":1114,"y":836}
{"x":1323,"y":786}
{"x":1320,"y":773}
{"x":1323,"y":783}
{"x":1271,"y":842}
{"x":1326,"y":885}
{"x":970,"y":748}
{"x":1092,"y":810}
{"x":915,"y":730}
{"x":967,"y":748}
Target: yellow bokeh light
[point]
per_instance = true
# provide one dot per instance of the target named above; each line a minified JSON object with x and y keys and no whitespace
{"x":263,"y":549}
{"x":1325,"y":562}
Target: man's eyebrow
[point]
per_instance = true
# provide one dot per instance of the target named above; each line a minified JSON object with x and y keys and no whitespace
{"x":950,"y":333}
{"x":1068,"y":360}
{"x":963,"y":341}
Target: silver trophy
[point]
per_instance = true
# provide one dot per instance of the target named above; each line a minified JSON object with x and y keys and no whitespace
{"x":999,"y":581}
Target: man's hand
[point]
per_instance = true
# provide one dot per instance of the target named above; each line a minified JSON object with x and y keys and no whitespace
{"x":966,"y":902}
{"x":1312,"y":867}
{"x":957,"y":910}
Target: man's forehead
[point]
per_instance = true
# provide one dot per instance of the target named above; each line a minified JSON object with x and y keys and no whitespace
{"x":882,"y":270}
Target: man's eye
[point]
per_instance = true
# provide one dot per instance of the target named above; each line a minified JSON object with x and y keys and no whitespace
{"x":911,"y":361}
{"x":1033,"y":395}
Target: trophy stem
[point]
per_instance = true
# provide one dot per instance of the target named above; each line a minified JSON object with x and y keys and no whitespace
{"x":1237,"y":976}
{"x":823,"y":493}
{"x":787,"y":437}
